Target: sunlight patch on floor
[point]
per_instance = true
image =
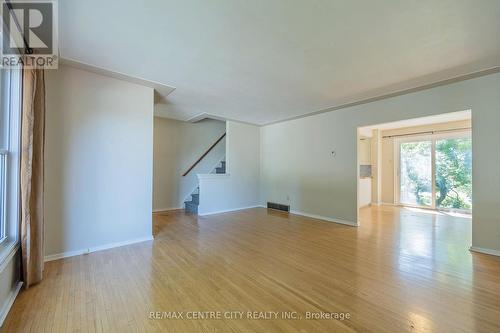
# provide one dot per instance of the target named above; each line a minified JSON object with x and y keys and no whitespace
{"x":437,"y":212}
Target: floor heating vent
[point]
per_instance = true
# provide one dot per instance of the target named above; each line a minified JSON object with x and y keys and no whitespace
{"x":277,"y":206}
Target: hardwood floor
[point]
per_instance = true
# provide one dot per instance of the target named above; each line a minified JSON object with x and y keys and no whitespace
{"x":401,"y":270}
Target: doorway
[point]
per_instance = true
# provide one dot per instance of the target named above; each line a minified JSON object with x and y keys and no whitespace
{"x":417,"y":163}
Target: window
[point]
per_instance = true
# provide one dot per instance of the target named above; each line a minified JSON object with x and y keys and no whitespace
{"x":3,"y":190}
{"x":416,"y":173}
{"x":9,"y":159}
{"x":435,"y":171}
{"x":3,"y":151}
{"x":454,"y":173}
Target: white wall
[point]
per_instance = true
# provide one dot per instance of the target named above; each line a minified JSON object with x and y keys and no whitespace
{"x":376,"y":155}
{"x":239,"y":188}
{"x":98,"y":155}
{"x":177,"y":145}
{"x":387,"y":171}
{"x":364,"y":151}
{"x":297,"y":161}
{"x":365,"y":192}
{"x":364,"y":158}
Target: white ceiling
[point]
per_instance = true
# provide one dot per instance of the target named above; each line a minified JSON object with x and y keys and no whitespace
{"x":262,"y":61}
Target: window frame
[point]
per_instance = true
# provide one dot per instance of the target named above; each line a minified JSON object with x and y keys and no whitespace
{"x":11,"y":152}
{"x":4,"y":154}
{"x":397,"y":168}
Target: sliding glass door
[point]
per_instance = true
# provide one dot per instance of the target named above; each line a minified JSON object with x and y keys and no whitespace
{"x":454,"y":173}
{"x":435,"y":171}
{"x":416,"y":173}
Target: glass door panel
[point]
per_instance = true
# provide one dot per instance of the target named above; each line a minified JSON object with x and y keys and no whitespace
{"x":416,"y":173}
{"x":454,"y":173}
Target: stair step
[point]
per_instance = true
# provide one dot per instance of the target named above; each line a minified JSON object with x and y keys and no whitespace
{"x":191,"y":203}
{"x":195,"y":197}
{"x":220,"y":170}
{"x":191,"y":207}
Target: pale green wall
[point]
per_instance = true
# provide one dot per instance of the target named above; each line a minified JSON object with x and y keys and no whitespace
{"x":296,"y":159}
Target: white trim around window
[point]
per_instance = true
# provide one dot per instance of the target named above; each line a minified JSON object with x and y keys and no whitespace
{"x":10,"y":152}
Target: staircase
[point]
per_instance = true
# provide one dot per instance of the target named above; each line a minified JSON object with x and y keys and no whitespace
{"x":192,"y":206}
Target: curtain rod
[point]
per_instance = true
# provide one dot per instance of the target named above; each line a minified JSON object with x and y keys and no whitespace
{"x":427,"y":132}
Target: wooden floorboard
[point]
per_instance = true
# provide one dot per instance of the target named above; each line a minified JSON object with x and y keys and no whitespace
{"x":401,"y":270}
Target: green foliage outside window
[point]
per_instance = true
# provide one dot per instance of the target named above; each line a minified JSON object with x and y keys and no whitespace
{"x":453,"y":172}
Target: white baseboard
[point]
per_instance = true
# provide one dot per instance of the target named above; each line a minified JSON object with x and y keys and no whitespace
{"x":57,"y":256}
{"x":319,"y":217}
{"x":485,"y":251}
{"x":9,"y":302}
{"x":159,"y":210}
{"x":295,"y":212}
{"x":227,"y":210}
{"x":324,"y":218}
